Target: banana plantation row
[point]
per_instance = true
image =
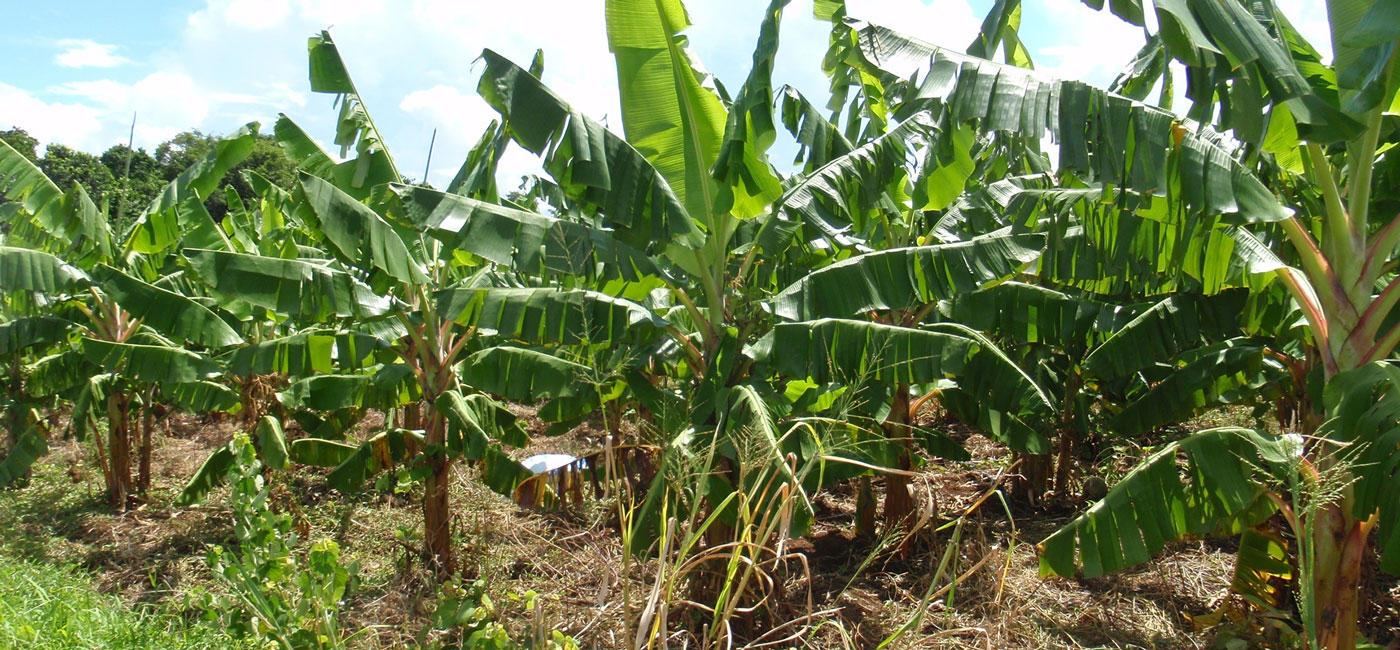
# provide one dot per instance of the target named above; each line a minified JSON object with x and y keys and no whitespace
{"x":784,"y":331}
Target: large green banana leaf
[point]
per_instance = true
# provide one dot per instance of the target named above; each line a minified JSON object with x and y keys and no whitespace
{"x":524,"y":375}
{"x":906,"y":277}
{"x":835,"y":199}
{"x":1027,"y":313}
{"x":28,"y":447}
{"x":309,"y":157}
{"x":312,"y":290}
{"x":1094,"y":128}
{"x":178,"y":212}
{"x":72,"y":223}
{"x":1224,"y":373}
{"x":747,"y":182}
{"x":1363,"y":409}
{"x":201,"y":397}
{"x":165,"y":311}
{"x":855,"y":352}
{"x":598,"y":170}
{"x":326,"y":392}
{"x":151,"y":364}
{"x":819,"y":140}
{"x":1222,"y":494}
{"x":1237,"y":41}
{"x":354,"y":128}
{"x":359,"y":235}
{"x":1176,"y":324}
{"x":547,"y":315}
{"x":520,"y":240}
{"x":305,"y":353}
{"x":22,"y":269}
{"x":852,"y":351}
{"x":56,"y":373}
{"x":1128,"y":244}
{"x":671,"y":111}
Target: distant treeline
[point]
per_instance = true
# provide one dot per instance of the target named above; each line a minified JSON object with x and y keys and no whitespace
{"x":124,"y":190}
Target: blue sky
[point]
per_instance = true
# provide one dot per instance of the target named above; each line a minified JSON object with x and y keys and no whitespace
{"x":82,"y":67}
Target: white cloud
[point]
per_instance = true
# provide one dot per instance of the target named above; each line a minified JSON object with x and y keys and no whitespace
{"x":75,"y":125}
{"x":945,"y":23}
{"x":1071,"y":41}
{"x":164,"y":102}
{"x":443,"y":104}
{"x":256,"y":14}
{"x":80,"y":53}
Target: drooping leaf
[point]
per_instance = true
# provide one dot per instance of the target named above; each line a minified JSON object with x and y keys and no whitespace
{"x":906,"y":277}
{"x":598,"y":170}
{"x":1215,"y":375}
{"x":178,"y":212}
{"x":209,"y":476}
{"x":858,"y":352}
{"x":318,"y":452}
{"x":305,"y":353}
{"x":1092,"y":127}
{"x":524,"y":375}
{"x":165,"y":311}
{"x":358,"y":234}
{"x":475,"y":431}
{"x":201,"y":397}
{"x":547,"y":315}
{"x":151,"y":364}
{"x":309,"y":157}
{"x":22,"y":269}
{"x":272,"y":443}
{"x":23,"y":334}
{"x":1174,"y":325}
{"x":326,"y":392}
{"x":28,"y":446}
{"x":69,"y":218}
{"x":832,"y":201}
{"x":293,"y":287}
{"x":1153,"y":504}
{"x":1027,"y":313}
{"x":525,"y":241}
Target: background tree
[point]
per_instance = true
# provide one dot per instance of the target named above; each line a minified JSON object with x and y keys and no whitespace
{"x":137,"y":184}
{"x":21,"y":141}
{"x":65,"y":166}
{"x":178,"y":153}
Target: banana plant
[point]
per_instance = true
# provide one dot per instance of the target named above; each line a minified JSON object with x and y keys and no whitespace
{"x":1296,"y":186}
{"x":1123,"y":369}
{"x":103,"y":302}
{"x":689,"y":183}
{"x":409,"y":269}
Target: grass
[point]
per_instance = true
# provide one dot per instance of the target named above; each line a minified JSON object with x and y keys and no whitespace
{"x":43,"y":606}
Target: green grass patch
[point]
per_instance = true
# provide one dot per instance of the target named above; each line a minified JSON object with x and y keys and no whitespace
{"x":43,"y":606}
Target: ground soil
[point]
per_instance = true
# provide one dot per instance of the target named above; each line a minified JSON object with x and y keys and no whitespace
{"x":841,"y":592}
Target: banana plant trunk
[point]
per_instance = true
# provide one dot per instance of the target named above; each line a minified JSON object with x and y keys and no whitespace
{"x":14,"y":415}
{"x":148,"y":425}
{"x":119,"y":481}
{"x":437,"y":513}
{"x":1340,"y":543}
{"x":899,"y":504}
